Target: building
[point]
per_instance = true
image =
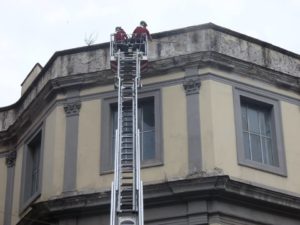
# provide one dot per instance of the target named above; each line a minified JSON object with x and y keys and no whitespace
{"x":220,"y":125}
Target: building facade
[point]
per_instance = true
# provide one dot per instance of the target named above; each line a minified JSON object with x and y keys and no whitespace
{"x":219,"y":124}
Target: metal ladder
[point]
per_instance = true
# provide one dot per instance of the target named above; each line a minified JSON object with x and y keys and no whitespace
{"x":127,"y":187}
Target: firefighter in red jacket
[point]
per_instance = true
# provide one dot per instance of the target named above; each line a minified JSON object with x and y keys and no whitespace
{"x":120,"y":38}
{"x":139,"y":36}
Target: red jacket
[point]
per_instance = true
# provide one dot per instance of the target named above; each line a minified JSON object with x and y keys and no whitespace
{"x":120,"y":36}
{"x":141,"y":32}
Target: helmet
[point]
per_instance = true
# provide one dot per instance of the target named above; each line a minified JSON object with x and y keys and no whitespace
{"x":143,"y":23}
{"x":118,"y":28}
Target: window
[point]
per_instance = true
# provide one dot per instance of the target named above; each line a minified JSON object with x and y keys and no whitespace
{"x":146,"y":126}
{"x":259,"y":134}
{"x":149,"y":126}
{"x":31,"y":182}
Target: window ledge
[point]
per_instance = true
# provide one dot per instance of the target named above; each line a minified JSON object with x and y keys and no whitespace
{"x":145,"y":166}
{"x":263,"y":167}
{"x":24,"y":205}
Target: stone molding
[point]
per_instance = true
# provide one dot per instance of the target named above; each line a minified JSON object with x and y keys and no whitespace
{"x":11,"y":159}
{"x":72,"y":109}
{"x":196,"y":193}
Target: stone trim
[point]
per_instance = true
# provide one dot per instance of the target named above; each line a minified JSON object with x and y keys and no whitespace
{"x":105,"y":77}
{"x":199,"y":200}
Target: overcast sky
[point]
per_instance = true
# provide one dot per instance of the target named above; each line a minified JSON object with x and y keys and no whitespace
{"x":32,"y":31}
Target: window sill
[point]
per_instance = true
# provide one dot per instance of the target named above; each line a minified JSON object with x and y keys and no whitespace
{"x":148,"y":164}
{"x":263,"y":167}
{"x":27,"y":203}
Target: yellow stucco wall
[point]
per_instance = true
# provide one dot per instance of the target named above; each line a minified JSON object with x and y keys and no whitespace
{"x":248,"y":81}
{"x":174,"y":143}
{"x":3,"y":172}
{"x":222,"y":125}
{"x":158,"y":79}
{"x":219,"y":140}
{"x":88,"y":169}
{"x":95,"y":90}
{"x":53,"y":160}
{"x":54,"y":148}
{"x":174,"y":127}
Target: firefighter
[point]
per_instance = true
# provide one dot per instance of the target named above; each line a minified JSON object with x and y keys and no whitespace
{"x":139,"y":36}
{"x":120,"y":38}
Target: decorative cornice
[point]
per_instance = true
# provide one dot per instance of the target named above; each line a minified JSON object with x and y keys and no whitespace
{"x":215,"y":186}
{"x":191,"y":85}
{"x":242,"y":196}
{"x":72,"y":109}
{"x":11,"y":159}
{"x":156,"y":68}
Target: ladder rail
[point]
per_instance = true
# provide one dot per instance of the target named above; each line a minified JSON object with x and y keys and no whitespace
{"x":118,"y":137}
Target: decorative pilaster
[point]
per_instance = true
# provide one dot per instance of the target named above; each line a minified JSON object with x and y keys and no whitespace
{"x":72,"y":109}
{"x":191,"y":86}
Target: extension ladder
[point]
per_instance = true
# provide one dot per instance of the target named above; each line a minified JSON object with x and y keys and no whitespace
{"x":127,"y":187}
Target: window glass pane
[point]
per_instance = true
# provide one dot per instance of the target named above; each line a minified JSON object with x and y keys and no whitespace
{"x":148,"y":116}
{"x":115,"y":119}
{"x":140,"y":117}
{"x":32,"y":167}
{"x":244,"y":118}
{"x":146,"y":125}
{"x":262,"y":123}
{"x":258,"y":132}
{"x":272,"y":153}
{"x":268,"y":132}
{"x":148,"y":145}
{"x":253,"y":120}
{"x":247,"y":145}
{"x":114,"y":122}
{"x":256,"y":148}
{"x":265,"y":151}
{"x":35,"y":169}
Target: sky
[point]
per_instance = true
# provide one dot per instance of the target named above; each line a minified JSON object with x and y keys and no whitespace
{"x":32,"y":31}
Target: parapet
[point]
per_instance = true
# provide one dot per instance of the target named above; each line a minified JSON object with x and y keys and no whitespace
{"x":95,"y":60}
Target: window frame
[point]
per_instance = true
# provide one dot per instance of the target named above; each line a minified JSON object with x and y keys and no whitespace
{"x":24,"y":203}
{"x":276,"y":123}
{"x":106,"y":158}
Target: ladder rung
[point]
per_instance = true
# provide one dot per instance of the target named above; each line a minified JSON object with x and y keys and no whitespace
{"x":127,"y":178}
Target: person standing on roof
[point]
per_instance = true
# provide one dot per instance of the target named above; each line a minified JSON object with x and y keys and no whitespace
{"x":120,"y":38}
